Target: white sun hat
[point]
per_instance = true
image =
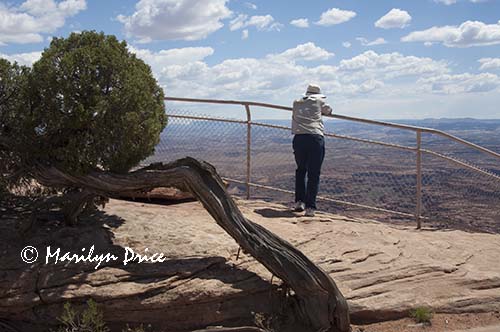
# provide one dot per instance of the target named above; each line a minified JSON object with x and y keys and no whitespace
{"x":313,"y":89}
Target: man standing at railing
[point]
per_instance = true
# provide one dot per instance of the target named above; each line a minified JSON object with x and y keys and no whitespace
{"x":308,"y":146}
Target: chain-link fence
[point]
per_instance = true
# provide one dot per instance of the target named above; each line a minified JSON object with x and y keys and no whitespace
{"x":371,"y":169}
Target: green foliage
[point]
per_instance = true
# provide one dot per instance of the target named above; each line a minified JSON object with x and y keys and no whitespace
{"x":93,"y":104}
{"x":422,"y":315}
{"x":90,"y":320}
{"x":13,"y":80}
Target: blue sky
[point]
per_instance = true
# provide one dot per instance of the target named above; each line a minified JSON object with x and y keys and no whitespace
{"x":373,"y":58}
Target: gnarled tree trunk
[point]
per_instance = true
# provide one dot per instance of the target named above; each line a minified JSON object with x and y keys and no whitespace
{"x":320,"y":303}
{"x":232,"y":329}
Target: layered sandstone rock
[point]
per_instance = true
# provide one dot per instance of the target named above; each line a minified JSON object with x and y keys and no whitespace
{"x":384,"y":271}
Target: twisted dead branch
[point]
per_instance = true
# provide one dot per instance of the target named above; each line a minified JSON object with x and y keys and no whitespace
{"x":320,"y":303}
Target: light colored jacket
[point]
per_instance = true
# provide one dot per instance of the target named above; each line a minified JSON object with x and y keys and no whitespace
{"x":307,"y":115}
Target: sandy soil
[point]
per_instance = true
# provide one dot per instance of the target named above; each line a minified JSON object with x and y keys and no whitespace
{"x":439,"y":323}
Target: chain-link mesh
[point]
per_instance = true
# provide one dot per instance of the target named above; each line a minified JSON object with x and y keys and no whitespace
{"x":454,"y":195}
{"x":352,"y":171}
{"x":223,"y":144}
{"x":358,"y":169}
{"x":462,"y":152}
{"x":371,"y":132}
{"x":370,"y":174}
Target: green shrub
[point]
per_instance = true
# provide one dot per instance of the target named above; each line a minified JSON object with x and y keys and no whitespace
{"x":93,"y":104}
{"x":90,"y":320}
{"x":13,"y":80}
{"x":422,"y":315}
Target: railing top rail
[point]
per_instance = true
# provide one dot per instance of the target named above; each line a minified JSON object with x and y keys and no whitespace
{"x":342,"y":117}
{"x":287,"y":108}
{"x":233,"y":102}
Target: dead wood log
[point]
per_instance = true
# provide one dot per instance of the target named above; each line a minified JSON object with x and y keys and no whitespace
{"x":77,"y":201}
{"x":232,"y":329}
{"x":320,"y":303}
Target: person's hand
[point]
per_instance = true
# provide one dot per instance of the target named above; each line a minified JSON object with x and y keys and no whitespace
{"x":326,"y":110}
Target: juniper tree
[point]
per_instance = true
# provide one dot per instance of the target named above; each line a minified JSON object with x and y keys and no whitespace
{"x":87,"y":104}
{"x":12,"y":84}
{"x":94,"y":105}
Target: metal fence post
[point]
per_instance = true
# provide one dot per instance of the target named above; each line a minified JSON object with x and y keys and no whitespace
{"x":249,"y":143}
{"x":418,"y":211}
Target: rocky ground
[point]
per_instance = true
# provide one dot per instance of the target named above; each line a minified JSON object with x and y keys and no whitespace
{"x":384,"y":271}
{"x":468,"y":322}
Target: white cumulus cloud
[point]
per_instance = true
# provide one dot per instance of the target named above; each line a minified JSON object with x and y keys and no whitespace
{"x":300,"y":23}
{"x":335,"y":16}
{"x":446,"y":2}
{"x":452,"y":2}
{"x":244,"y":34}
{"x":307,"y":52}
{"x":260,"y":22}
{"x":251,"y":5}
{"x":370,"y":85}
{"x":278,"y":76}
{"x":468,"y":34}
{"x":175,"y":19}
{"x":400,"y":85}
{"x":175,"y":56}
{"x":392,"y":65}
{"x":366,"y":42}
{"x":25,"y":59}
{"x":33,"y":18}
{"x":395,"y":18}
{"x":489,"y":63}
{"x":461,"y":83}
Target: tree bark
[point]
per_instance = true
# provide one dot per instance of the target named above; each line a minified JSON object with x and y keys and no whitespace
{"x":232,"y":329}
{"x":77,"y":202}
{"x":320,"y":303}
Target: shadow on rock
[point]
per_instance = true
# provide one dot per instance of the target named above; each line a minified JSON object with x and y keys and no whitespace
{"x":176,"y":294}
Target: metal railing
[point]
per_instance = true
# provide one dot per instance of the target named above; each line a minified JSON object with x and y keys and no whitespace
{"x":418,"y":150}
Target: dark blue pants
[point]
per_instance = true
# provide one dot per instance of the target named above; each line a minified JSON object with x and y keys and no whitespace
{"x":309,"y":151}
